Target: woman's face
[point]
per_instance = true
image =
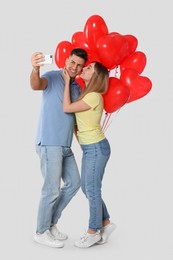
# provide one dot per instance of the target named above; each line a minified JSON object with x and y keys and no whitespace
{"x":87,"y":72}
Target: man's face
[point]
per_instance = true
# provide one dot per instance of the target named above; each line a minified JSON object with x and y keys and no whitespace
{"x":74,"y":65}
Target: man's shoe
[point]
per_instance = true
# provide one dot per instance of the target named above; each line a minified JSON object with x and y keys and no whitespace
{"x":47,"y":239}
{"x":57,"y":234}
{"x":107,"y":230}
{"x":88,"y":240}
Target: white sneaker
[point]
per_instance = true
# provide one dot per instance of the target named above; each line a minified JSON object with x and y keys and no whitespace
{"x":107,"y":230}
{"x":88,"y":240}
{"x":47,"y":239}
{"x":57,"y":234}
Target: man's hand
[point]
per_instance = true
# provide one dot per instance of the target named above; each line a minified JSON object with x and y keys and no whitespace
{"x":36,"y":58}
{"x":36,"y":82}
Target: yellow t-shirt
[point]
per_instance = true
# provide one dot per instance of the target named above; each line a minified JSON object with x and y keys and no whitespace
{"x":89,"y":128}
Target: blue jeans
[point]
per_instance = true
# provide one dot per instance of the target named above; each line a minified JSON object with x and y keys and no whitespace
{"x":57,"y":164}
{"x":95,"y":157}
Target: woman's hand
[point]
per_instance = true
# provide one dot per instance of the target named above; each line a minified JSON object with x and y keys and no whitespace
{"x":66,"y":76}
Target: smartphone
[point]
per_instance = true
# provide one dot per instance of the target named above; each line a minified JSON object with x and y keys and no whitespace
{"x":48,"y":59}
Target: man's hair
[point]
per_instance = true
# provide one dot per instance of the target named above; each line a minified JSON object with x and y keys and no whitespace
{"x":80,"y":53}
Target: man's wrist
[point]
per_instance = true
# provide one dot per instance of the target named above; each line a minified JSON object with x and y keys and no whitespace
{"x":36,"y":69}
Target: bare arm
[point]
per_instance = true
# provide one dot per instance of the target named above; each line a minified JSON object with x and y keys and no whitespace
{"x":68,"y":106}
{"x":36,"y":82}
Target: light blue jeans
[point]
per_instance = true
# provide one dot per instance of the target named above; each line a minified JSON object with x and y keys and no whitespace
{"x":57,"y":164}
{"x":95,"y":157}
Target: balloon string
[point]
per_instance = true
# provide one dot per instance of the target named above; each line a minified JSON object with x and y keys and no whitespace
{"x":106,"y":125}
{"x":103,"y":125}
{"x":106,"y":120}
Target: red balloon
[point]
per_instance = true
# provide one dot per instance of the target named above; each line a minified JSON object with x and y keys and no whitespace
{"x":113,"y":34}
{"x":80,"y":81}
{"x":138,"y":85}
{"x":62,"y":52}
{"x":94,"y":28}
{"x":111,"y":49}
{"x":78,"y":40}
{"x":136,"y":61}
{"x":92,"y":56}
{"x":132,"y":43}
{"x":116,"y":95}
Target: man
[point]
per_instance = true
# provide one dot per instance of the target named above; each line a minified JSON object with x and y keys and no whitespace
{"x":53,"y":142}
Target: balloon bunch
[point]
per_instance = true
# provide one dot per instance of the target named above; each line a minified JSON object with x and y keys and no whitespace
{"x":113,"y":50}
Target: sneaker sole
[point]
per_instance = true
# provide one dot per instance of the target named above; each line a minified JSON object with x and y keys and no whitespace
{"x":41,"y":242}
{"x":84,"y":246}
{"x":60,"y":239}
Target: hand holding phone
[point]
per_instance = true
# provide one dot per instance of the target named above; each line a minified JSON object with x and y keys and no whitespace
{"x":48,"y":59}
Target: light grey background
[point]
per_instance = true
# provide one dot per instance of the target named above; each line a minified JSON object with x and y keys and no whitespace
{"x":138,"y":184}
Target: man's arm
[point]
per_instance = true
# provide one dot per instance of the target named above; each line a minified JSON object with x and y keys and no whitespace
{"x":36,"y":82}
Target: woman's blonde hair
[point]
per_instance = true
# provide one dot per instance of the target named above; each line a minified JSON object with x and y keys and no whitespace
{"x":98,"y":82}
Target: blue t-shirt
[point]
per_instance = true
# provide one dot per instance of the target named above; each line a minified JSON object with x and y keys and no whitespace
{"x":56,"y":127}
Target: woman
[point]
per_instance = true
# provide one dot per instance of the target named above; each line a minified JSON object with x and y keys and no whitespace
{"x":88,"y":110}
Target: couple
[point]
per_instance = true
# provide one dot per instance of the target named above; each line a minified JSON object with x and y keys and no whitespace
{"x":65,"y":110}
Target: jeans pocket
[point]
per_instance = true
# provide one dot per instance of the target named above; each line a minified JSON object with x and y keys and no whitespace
{"x":105,"y":147}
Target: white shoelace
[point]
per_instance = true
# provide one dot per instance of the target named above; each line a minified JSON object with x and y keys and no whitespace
{"x":84,"y":237}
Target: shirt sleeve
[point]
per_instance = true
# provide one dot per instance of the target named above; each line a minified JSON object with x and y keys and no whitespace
{"x":92,"y":99}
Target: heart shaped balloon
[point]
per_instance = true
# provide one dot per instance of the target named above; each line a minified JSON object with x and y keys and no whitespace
{"x":92,"y":56}
{"x":116,"y":95}
{"x":80,"y":81}
{"x":94,"y":28}
{"x":136,"y":61}
{"x":138,"y":85}
{"x":132,"y":43}
{"x":62,"y":52}
{"x":111,"y":49}
{"x":78,"y":40}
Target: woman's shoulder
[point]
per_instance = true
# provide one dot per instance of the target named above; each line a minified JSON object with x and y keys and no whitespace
{"x":94,"y":94}
{"x":93,"y":98}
